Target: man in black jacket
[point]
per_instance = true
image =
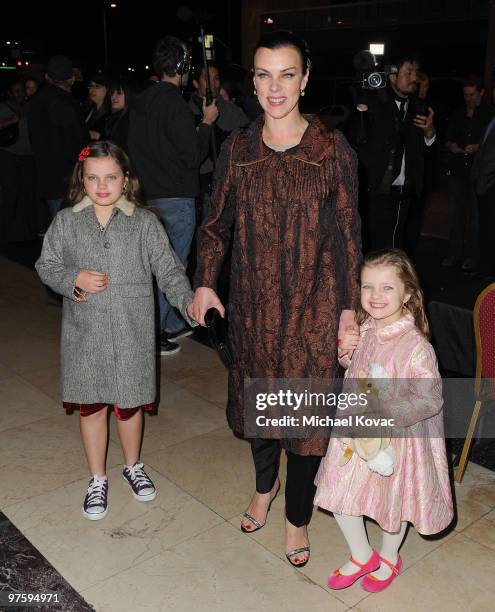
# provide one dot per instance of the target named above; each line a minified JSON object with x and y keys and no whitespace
{"x":167,"y":152}
{"x":57,"y":132}
{"x":390,"y":137}
{"x":464,"y":133}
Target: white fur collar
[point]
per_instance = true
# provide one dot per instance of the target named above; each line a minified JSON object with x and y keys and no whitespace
{"x":122,"y":204}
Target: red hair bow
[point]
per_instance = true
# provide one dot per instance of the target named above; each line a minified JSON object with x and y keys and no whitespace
{"x":84,"y":153}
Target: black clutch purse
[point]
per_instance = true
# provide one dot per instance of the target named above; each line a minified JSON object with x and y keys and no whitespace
{"x":217,"y":334}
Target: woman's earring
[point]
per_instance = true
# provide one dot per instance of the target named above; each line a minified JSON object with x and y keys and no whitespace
{"x":124,"y":188}
{"x":303,"y":92}
{"x":255,"y":92}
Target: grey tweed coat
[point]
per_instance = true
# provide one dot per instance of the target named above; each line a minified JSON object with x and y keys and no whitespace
{"x":108,"y":343}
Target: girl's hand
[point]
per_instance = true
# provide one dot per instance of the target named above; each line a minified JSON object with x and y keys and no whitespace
{"x":350,"y":341}
{"x":92,"y":281}
{"x":347,"y":322}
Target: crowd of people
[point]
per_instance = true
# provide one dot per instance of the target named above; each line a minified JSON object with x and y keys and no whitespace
{"x":125,"y":181}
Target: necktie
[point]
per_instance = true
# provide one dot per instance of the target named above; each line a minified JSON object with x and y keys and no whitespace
{"x":400,"y":141}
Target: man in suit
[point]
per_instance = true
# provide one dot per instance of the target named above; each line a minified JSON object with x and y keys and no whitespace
{"x":483,"y":175}
{"x":391,"y":131}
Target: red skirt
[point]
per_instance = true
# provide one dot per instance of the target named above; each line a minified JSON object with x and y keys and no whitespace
{"x":121,"y":413}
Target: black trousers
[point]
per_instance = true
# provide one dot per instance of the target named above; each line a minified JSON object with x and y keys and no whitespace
{"x":387,"y":219}
{"x":301,"y":471}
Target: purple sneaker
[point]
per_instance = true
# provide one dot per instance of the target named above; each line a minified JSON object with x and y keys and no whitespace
{"x":95,"y":505}
{"x":142,"y":487}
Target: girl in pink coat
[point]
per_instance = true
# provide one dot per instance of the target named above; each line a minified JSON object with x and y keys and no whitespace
{"x":392,"y":343}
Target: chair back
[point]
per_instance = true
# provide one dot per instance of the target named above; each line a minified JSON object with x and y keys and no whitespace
{"x":484,"y":329}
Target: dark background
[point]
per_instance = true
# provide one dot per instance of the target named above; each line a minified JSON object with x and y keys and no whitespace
{"x":76,"y":29}
{"x":449,"y":49}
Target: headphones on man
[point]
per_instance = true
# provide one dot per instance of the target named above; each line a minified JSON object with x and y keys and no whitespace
{"x":184,"y":64}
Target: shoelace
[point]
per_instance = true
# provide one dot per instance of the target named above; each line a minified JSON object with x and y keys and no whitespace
{"x":96,"y":496}
{"x":138,"y":476}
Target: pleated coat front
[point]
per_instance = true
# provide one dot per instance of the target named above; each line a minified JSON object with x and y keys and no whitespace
{"x":295,"y":230}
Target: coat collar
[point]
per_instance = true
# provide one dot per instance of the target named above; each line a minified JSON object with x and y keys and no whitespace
{"x":391,"y":331}
{"x":316,"y":143}
{"x":122,"y":204}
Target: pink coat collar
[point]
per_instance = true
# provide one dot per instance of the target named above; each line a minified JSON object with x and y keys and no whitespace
{"x":391,"y":331}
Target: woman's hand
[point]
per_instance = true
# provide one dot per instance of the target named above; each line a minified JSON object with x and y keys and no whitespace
{"x":92,"y":281}
{"x":204,"y":299}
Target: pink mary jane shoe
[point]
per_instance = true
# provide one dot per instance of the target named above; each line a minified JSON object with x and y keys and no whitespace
{"x":339,"y":581}
{"x":373,"y":585}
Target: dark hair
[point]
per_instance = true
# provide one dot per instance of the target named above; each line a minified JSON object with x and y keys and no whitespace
{"x":402,"y":57}
{"x":124,"y":86}
{"x":99,"y":149}
{"x":169,"y":51}
{"x":285,"y":38}
{"x":473,"y":80}
{"x":200,"y":68}
{"x":407,"y":274}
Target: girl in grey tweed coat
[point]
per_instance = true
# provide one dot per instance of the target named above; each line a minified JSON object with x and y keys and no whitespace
{"x":101,"y":254}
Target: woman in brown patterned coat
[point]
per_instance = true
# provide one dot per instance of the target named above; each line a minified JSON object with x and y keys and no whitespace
{"x":285,"y":193}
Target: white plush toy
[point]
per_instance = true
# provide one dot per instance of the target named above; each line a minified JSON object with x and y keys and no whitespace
{"x":377,"y":452}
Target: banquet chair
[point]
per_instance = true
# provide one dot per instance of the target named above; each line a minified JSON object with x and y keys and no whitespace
{"x":484,"y":330}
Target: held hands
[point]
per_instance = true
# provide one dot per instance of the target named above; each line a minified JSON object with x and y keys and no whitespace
{"x":471,"y":148}
{"x":455,"y":148}
{"x":210,"y":112}
{"x":92,"y":281}
{"x":425,"y":123}
{"x":350,"y":340}
{"x":347,"y":323}
{"x":204,"y":299}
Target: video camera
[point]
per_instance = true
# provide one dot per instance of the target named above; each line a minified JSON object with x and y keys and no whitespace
{"x":369,"y":76}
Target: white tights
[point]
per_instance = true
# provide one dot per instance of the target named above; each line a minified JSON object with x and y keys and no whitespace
{"x":355,"y":534}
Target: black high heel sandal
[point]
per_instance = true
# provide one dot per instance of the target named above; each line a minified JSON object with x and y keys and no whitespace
{"x":255,"y":522}
{"x":298,"y":551}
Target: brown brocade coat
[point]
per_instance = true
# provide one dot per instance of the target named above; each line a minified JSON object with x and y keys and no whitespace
{"x":296,"y":251}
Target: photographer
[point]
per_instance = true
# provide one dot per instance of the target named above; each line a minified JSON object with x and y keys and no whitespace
{"x":391,"y":129}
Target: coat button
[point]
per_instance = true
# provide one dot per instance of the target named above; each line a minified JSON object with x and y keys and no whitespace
{"x":107,"y":245}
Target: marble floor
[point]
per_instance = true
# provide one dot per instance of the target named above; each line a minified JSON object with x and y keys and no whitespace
{"x":184,"y":551}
